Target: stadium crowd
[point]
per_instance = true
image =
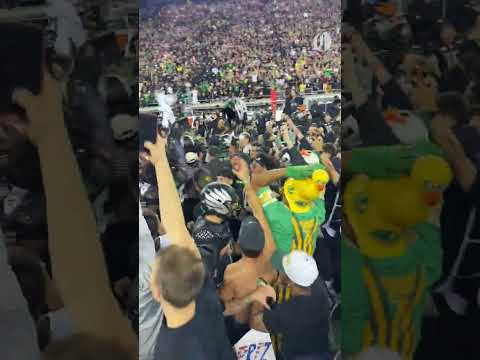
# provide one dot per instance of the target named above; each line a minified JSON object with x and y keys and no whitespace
{"x":212,"y":50}
{"x":240,"y":212}
{"x":234,"y":187}
{"x":68,"y":245}
{"x":410,"y":131}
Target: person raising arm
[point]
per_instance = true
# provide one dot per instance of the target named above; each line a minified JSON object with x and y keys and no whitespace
{"x":241,"y":170}
{"x":170,"y":207}
{"x":181,"y":284}
{"x":257,"y":247}
{"x":73,"y":239}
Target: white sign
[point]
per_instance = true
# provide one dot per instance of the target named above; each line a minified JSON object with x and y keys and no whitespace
{"x":255,"y":345}
{"x":322,"y":42}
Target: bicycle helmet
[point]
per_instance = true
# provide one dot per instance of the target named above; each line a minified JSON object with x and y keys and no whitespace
{"x":220,"y":199}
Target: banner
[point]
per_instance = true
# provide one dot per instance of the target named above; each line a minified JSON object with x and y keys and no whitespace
{"x":255,"y":345}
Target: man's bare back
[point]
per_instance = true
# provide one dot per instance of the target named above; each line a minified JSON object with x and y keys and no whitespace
{"x":241,"y":279}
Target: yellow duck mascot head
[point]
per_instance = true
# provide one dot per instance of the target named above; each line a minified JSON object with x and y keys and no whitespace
{"x":381,"y":211}
{"x":301,"y":193}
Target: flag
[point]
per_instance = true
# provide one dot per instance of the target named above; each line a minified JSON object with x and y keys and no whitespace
{"x":273,"y":99}
{"x":166,"y":110}
{"x":240,"y":109}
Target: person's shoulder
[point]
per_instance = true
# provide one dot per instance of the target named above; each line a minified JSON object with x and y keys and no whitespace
{"x":231,"y":272}
{"x":177,"y":344}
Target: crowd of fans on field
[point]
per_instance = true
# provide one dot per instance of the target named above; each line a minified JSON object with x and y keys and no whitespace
{"x":240,"y":211}
{"x":222,"y":49}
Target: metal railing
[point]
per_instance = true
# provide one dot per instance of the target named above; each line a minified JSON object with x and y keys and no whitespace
{"x":220,"y":103}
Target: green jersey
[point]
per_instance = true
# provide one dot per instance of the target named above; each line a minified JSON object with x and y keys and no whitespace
{"x":279,"y":218}
{"x":383,"y":300}
{"x":292,"y":231}
{"x":307,"y":227}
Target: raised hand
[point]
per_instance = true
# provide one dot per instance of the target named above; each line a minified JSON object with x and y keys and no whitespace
{"x":44,"y":111}
{"x":157,"y":150}
{"x":240,"y":168}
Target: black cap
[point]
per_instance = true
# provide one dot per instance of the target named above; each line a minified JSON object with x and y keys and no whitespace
{"x":243,"y":156}
{"x":266,"y":161}
{"x":225,"y":170}
{"x":251,"y":237}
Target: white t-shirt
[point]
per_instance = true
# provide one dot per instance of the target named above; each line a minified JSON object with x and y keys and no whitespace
{"x":18,"y":335}
{"x":150,"y":312}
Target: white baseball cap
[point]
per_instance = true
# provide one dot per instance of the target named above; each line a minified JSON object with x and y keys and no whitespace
{"x":300,"y":268}
{"x":124,"y":126}
{"x":191,"y":157}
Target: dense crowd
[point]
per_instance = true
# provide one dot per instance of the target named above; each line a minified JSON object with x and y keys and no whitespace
{"x":240,"y":212}
{"x":244,"y":197}
{"x":221,"y":49}
{"x":410,"y":137}
{"x":68,"y":245}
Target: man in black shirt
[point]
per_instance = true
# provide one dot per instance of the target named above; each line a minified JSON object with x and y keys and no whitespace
{"x":211,"y":231}
{"x":182,"y":285}
{"x":213,"y":161}
{"x":299,"y":321}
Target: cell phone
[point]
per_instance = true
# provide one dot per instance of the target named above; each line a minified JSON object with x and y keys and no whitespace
{"x":148,"y":129}
{"x":22,"y":60}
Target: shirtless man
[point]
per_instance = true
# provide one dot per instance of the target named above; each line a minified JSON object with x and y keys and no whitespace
{"x":257,"y":247}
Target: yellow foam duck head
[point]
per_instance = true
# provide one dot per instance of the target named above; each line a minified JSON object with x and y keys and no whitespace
{"x":381,"y":211}
{"x":432,"y":174}
{"x":301,"y":193}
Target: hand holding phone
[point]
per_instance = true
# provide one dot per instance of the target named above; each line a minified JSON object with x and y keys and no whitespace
{"x":44,"y":111}
{"x":22,"y":60}
{"x":147,"y":129}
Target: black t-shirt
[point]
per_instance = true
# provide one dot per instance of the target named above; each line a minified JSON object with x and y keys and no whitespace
{"x":302,"y":321}
{"x":331,"y":194}
{"x":211,"y":238}
{"x":203,"y":338}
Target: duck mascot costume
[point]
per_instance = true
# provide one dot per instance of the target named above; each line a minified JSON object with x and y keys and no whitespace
{"x":305,"y":201}
{"x":391,"y":247}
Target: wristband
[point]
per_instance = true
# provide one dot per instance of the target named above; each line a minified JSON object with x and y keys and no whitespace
{"x":261,"y":282}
